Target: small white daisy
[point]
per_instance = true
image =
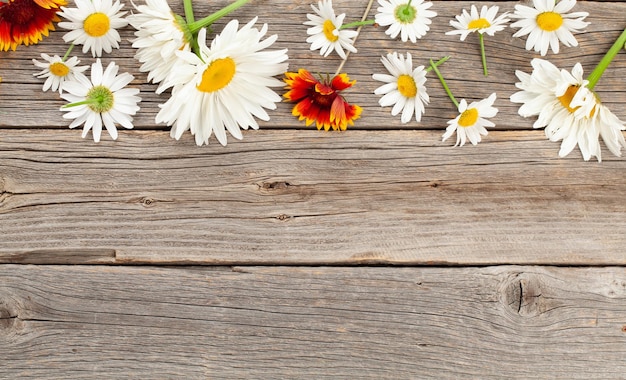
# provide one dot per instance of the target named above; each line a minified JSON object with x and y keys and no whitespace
{"x":485,"y":22}
{"x":101,"y":100}
{"x":547,"y":23}
{"x":325,"y":31}
{"x":56,"y":71}
{"x":404,"y":89}
{"x":226,"y":86}
{"x":94,"y":24}
{"x":568,"y":110}
{"x":407,"y":18}
{"x":159,"y":37}
{"x":471,"y":122}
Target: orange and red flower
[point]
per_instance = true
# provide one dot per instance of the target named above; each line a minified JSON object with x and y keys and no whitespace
{"x":320,"y":101}
{"x":26,"y":21}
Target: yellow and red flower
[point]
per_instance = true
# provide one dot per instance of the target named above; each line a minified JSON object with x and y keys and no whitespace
{"x":26,"y":21}
{"x":320,"y":101}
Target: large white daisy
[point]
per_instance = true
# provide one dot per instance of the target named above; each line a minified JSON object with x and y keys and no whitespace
{"x":472,"y":120}
{"x":568,"y":110}
{"x":547,"y":23}
{"x":404,"y":87}
{"x":94,"y":24}
{"x":159,"y":37}
{"x":483,"y":22}
{"x":408,"y":18}
{"x":101,"y":100}
{"x":57,"y":71}
{"x":226,"y":87}
{"x":325,"y":30}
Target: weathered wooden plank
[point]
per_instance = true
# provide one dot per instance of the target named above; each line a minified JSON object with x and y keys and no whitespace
{"x":299,"y":197}
{"x":22,"y":105}
{"x":293,"y":322}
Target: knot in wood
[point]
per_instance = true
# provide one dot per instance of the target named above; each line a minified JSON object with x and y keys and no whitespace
{"x":523,"y":295}
{"x":147,"y":202}
{"x":277,"y":185}
{"x":8,"y":316}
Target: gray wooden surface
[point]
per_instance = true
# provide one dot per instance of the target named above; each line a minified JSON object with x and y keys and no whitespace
{"x":380,"y":252}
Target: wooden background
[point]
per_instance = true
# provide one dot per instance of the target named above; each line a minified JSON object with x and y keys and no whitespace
{"x":379,"y":252}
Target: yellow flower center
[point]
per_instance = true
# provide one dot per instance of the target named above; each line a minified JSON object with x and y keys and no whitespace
{"x":567,"y":97}
{"x":468,"y":117}
{"x":549,"y":21}
{"x":96,"y":24}
{"x":406,"y":86}
{"x":480,"y":23}
{"x":218,"y":75}
{"x":328,"y":29}
{"x":59,"y":69}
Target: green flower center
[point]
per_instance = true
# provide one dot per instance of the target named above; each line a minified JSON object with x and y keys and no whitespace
{"x":480,"y":23}
{"x":59,"y":69}
{"x":406,"y":13}
{"x":549,"y":21}
{"x":406,"y":86}
{"x":96,"y":24}
{"x":468,"y":118}
{"x":218,"y":75}
{"x":100,"y":99}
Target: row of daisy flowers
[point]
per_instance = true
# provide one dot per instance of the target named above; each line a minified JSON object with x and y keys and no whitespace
{"x":563,"y":102}
{"x":226,"y":84}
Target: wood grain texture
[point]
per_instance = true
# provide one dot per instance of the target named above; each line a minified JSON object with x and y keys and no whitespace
{"x":307,"y":197}
{"x":23,"y":105}
{"x":293,"y":322}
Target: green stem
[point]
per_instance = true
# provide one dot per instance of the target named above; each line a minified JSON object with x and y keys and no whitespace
{"x":595,"y":75}
{"x":357,"y":23}
{"x":210,"y":19}
{"x":86,"y":101}
{"x":444,"y":84}
{"x":482,"y":53}
{"x":67,"y":53}
{"x":439,"y":62}
{"x":188,"y":11}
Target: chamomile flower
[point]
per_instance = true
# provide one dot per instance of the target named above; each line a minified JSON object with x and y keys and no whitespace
{"x":547,"y":23}
{"x":325,"y":31}
{"x":159,"y":36}
{"x":408,"y":18}
{"x":26,"y":21}
{"x":568,"y":110}
{"x":57,"y":71}
{"x":94,"y":24}
{"x":101,"y":100}
{"x":404,"y":87}
{"x":320,"y":101}
{"x":484,"y":22}
{"x":472,"y":120}
{"x":225,"y":86}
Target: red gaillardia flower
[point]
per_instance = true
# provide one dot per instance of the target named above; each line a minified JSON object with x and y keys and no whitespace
{"x":320,"y":101}
{"x":26,"y":21}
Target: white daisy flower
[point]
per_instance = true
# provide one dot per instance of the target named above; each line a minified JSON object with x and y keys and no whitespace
{"x":93,"y":24}
{"x":548,"y":23}
{"x":159,"y":37}
{"x":226,"y":86}
{"x":325,"y":33}
{"x":56,"y":71}
{"x":568,"y":110}
{"x":405,"y":88}
{"x":409,"y":19}
{"x":101,"y":100}
{"x":471,"y":122}
{"x":483,"y":22}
